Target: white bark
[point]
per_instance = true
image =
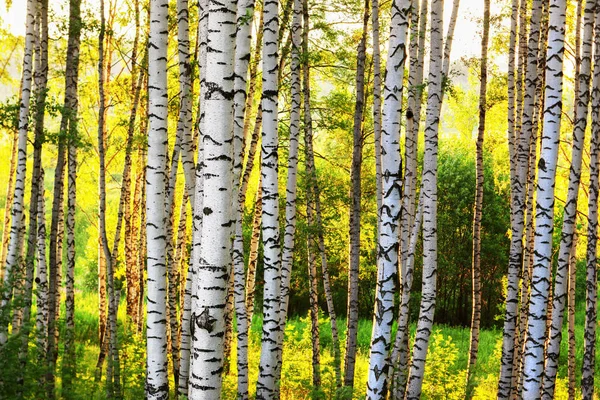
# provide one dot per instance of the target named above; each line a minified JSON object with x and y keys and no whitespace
{"x":570,"y":210}
{"x":14,"y":249}
{"x":212,"y":252}
{"x":389,"y":213}
{"x":157,"y":384}
{"x":521,"y":154}
{"x":541,"y":279}
{"x":266,"y":387}
{"x":591,"y":316}
{"x":242,"y":57}
{"x":41,"y":279}
{"x":287,"y":256}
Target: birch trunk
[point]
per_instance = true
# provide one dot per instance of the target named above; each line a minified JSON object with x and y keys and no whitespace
{"x":570,"y":210}
{"x":478,"y":208}
{"x":429,"y":189}
{"x":287,"y":256}
{"x":571,"y":317}
{"x":211,"y":262}
{"x":316,"y":198}
{"x":376,"y":103}
{"x":400,"y":355}
{"x":253,"y":256}
{"x":242,"y":58}
{"x":313,"y":295}
{"x":355,"y":189}
{"x":267,"y":385}
{"x":71,"y":77}
{"x":589,"y":336}
{"x":534,"y":346}
{"x":518,"y":204}
{"x":40,"y":80}
{"x":10,"y":193}
{"x":196,"y":200}
{"x":41,"y":279}
{"x":389,"y":213}
{"x":12,"y":256}
{"x":157,"y":384}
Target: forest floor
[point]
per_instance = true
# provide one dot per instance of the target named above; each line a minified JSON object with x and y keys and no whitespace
{"x":444,"y":375}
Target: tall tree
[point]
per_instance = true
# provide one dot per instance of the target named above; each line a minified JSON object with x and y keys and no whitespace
{"x":71,"y":78}
{"x":541,"y":279}
{"x":212,"y":251}
{"x":12,"y":257}
{"x":589,"y":336}
{"x":157,"y":384}
{"x":478,"y":207}
{"x":355,"y":192}
{"x":266,"y":387}
{"x":389,"y":213}
{"x":570,"y":210}
{"x":521,"y":145}
{"x":242,"y":58}
{"x":429,"y":189}
{"x":400,"y":354}
{"x":287,"y":255}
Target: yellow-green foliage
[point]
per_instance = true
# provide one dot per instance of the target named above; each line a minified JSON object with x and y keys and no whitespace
{"x":442,"y":380}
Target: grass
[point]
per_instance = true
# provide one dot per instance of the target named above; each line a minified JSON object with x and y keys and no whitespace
{"x":444,"y":374}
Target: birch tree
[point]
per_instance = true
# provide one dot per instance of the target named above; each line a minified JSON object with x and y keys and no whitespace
{"x":400,"y":355}
{"x":287,"y":256}
{"x":355,"y":192}
{"x":212,"y":252}
{"x":71,"y":78}
{"x":570,"y":211}
{"x":478,"y":208}
{"x":12,"y":257}
{"x":534,"y":346}
{"x":521,"y":155}
{"x":157,"y":384}
{"x":242,"y":58}
{"x":589,"y":336}
{"x":429,"y":189}
{"x":389,"y":213}
{"x":266,"y":387}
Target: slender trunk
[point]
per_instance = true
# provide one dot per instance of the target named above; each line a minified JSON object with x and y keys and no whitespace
{"x":17,"y":210}
{"x":112,"y":374}
{"x":253,"y":255}
{"x":376,"y":120}
{"x":196,"y":200}
{"x":429,"y":189}
{"x":571,"y":317}
{"x":399,"y":383}
{"x":478,"y":208}
{"x":389,"y":213}
{"x":355,"y":191}
{"x":314,"y":300}
{"x":267,"y":385}
{"x":570,"y":211}
{"x":212,"y":245}
{"x":242,"y":58}
{"x":400,"y":354}
{"x":10,"y":193}
{"x":157,"y":384}
{"x":71,"y":76}
{"x":41,"y":279}
{"x":449,"y":38}
{"x":287,"y":256}
{"x":541,"y":279}
{"x":518,"y":204}
{"x":589,"y":336}
{"x":130,"y":215}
